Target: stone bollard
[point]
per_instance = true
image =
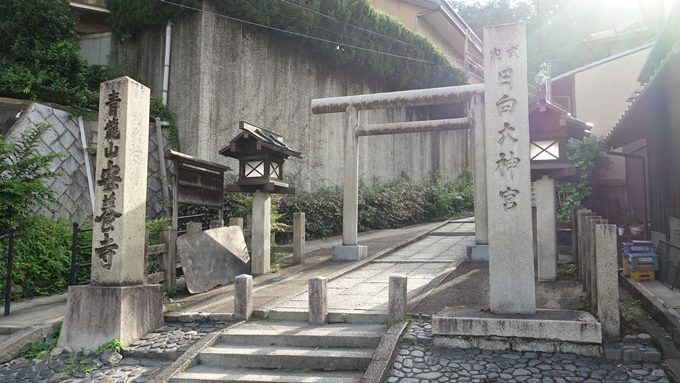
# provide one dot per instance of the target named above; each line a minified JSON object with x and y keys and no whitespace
{"x":607,"y":280}
{"x":298,"y":237}
{"x":243,"y":297}
{"x":194,"y":227}
{"x":397,"y":299}
{"x":318,"y":300}
{"x":236,"y":222}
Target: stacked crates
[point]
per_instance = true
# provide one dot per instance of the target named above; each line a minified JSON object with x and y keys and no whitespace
{"x":639,"y":260}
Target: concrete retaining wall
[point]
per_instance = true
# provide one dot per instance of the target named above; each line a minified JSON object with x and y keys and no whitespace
{"x":223,"y":71}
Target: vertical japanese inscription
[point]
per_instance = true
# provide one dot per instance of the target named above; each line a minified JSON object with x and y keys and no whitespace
{"x":507,"y":142}
{"x":109,"y":180}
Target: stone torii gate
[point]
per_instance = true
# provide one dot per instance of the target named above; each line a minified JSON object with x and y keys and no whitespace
{"x":497,"y":114}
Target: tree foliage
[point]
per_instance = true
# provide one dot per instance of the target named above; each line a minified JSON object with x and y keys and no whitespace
{"x":23,"y":173}
{"x":39,"y":55}
{"x":588,"y":157}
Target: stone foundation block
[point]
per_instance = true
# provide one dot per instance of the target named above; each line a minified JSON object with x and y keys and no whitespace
{"x":97,"y":314}
{"x":349,"y":252}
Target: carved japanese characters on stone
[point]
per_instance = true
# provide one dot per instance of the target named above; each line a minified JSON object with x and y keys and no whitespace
{"x":506,"y":133}
{"x":506,"y":104}
{"x":506,"y":163}
{"x":496,"y":53}
{"x":505,"y":77}
{"x":509,"y":196}
{"x":513,"y":51}
{"x":108,"y":180}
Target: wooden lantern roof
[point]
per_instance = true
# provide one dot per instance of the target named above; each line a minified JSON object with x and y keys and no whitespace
{"x":253,"y":140}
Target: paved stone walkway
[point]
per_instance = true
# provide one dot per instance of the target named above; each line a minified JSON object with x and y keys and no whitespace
{"x":366,"y":289}
{"x":143,"y":359}
{"x":418,"y":362}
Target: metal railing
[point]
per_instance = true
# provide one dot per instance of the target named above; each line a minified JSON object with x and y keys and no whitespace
{"x":9,"y":236}
{"x":75,"y":250}
{"x":669,"y":263}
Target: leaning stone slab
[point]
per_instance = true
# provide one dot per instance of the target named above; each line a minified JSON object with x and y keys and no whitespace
{"x":558,"y":325}
{"x":213,"y":257}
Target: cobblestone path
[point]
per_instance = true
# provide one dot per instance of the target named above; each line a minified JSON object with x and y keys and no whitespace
{"x":143,"y":360}
{"x":418,"y":362}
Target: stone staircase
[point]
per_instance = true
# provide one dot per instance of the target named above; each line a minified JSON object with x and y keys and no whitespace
{"x":269,"y":351}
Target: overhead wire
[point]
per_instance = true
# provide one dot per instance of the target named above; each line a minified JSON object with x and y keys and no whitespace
{"x":337,"y":43}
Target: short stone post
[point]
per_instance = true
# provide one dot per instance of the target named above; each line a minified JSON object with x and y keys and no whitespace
{"x":243,"y":297}
{"x":167,"y":267}
{"x":318,"y":300}
{"x":396,"y":305}
{"x":546,"y":228}
{"x":194,"y":227}
{"x":236,"y":222}
{"x":581,"y":235}
{"x":593,"y":261}
{"x":260,"y":240}
{"x":607,"y":281}
{"x":298,"y":237}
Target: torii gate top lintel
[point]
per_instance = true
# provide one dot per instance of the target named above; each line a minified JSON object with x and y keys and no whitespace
{"x":400,"y":99}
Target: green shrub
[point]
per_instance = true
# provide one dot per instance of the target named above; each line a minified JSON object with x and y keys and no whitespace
{"x":154,"y":227}
{"x":382,"y":205}
{"x":39,"y":55}
{"x":23,"y":173}
{"x":42,"y":256}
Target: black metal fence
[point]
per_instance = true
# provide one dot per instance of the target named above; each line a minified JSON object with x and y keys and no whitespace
{"x":75,"y":250}
{"x":669,"y":264}
{"x":9,"y":258}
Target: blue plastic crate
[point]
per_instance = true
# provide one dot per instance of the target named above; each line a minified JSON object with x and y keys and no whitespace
{"x":637,"y":247}
{"x":643,"y":261}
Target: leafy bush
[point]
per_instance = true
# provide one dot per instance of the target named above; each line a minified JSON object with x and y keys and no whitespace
{"x":589,"y":157}
{"x":382,"y":205}
{"x":154,"y":227}
{"x":39,"y":55}
{"x":42,"y":256}
{"x":23,"y":173}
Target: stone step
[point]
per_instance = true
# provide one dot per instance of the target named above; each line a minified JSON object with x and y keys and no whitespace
{"x":203,"y":373}
{"x":290,"y":357}
{"x":265,"y":333}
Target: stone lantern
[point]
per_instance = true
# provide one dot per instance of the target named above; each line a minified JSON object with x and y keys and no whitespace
{"x":261,"y":155}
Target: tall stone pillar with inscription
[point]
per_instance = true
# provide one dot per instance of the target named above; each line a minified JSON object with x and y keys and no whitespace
{"x":117,"y":304}
{"x":511,"y":260}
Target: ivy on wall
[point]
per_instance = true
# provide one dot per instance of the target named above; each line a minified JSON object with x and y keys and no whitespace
{"x":350,"y":22}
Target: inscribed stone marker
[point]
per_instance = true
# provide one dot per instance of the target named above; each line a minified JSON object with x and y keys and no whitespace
{"x":121,"y":173}
{"x":506,"y":116}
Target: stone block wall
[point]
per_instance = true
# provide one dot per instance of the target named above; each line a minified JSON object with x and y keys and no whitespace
{"x":71,"y":185}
